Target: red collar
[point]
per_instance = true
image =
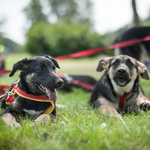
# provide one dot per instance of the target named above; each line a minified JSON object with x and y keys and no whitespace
{"x":23,"y":94}
{"x":122,"y":100}
{"x":40,"y":98}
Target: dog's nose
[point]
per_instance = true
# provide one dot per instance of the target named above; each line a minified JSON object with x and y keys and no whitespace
{"x":59,"y":83}
{"x":121,"y":72}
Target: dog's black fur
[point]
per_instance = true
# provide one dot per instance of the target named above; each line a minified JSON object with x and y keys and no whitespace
{"x":136,"y":51}
{"x":37,"y":77}
{"x":67,"y":87}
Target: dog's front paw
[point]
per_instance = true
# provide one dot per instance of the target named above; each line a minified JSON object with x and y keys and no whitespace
{"x":145,"y":105}
{"x":10,"y":120}
{"x":42,"y":118}
{"x":15,"y":125}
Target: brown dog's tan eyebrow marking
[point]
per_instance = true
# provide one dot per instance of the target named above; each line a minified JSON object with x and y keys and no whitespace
{"x":125,"y":57}
{"x":133,"y":61}
{"x":115,"y":59}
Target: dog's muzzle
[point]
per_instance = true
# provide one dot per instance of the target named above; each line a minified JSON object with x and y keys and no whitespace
{"x":121,"y":77}
{"x":50,"y":92}
{"x":121,"y":72}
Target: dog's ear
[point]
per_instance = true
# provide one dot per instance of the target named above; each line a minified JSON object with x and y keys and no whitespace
{"x":142,"y":70}
{"x":53,"y":60}
{"x":20,"y":65}
{"x":104,"y":64}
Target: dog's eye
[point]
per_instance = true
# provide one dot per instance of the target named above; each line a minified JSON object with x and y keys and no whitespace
{"x":129,"y":63}
{"x":43,"y":68}
{"x":116,"y":62}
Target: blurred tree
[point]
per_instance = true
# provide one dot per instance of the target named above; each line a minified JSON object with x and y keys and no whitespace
{"x":70,"y":34}
{"x":34,"y":12}
{"x":72,"y":11}
{"x":60,"y":39}
{"x":136,"y":19}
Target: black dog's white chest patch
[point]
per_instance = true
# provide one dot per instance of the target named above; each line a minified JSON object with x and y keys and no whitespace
{"x":33,"y":113}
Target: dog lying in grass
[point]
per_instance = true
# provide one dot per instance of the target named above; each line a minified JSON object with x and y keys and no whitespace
{"x":118,"y":89}
{"x":140,"y":51}
{"x":86,"y":79}
{"x":34,"y":93}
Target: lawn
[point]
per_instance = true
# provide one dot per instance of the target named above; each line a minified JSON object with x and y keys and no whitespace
{"x":78,"y":126}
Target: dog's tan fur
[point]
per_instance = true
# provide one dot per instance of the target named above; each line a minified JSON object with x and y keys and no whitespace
{"x":10,"y":120}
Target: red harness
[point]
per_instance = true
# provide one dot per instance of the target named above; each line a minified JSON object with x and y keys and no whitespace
{"x":122,"y":100}
{"x":16,"y":91}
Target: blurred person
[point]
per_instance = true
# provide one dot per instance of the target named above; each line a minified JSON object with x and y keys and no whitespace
{"x":3,"y":53}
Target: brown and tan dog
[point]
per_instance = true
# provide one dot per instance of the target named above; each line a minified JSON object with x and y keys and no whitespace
{"x":119,"y":89}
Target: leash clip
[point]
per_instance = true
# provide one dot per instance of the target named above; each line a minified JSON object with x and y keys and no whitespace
{"x":4,"y":95}
{"x":8,"y":94}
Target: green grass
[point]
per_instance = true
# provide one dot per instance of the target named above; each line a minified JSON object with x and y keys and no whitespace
{"x":78,"y":127}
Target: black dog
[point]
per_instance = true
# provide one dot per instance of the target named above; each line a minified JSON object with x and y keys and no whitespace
{"x":35,"y":91}
{"x":140,"y":51}
{"x":68,"y":85}
{"x":119,"y":89}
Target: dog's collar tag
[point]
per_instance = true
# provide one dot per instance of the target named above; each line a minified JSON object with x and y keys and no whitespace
{"x":122,"y":100}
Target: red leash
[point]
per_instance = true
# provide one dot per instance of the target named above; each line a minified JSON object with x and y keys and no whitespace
{"x":4,"y":71}
{"x":3,"y":87}
{"x":82,"y":84}
{"x":98,"y":50}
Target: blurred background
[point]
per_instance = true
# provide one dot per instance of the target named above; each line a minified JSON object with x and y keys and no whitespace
{"x":60,"y":27}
